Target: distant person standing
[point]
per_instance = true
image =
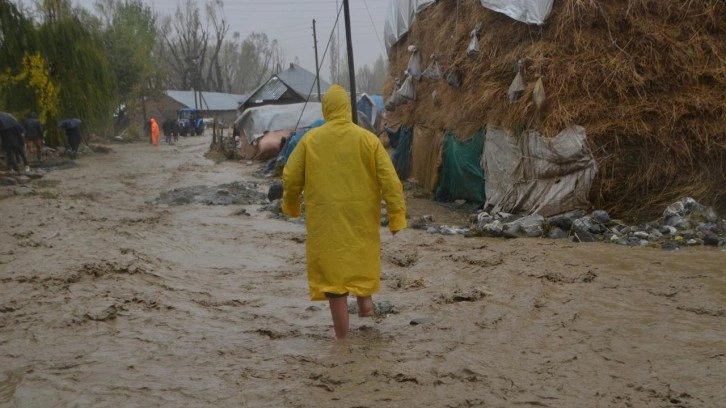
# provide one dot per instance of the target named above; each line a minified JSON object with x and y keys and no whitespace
{"x":72,"y":128}
{"x":154,"y":127}
{"x":344,"y":172}
{"x":13,"y":145}
{"x":33,"y":135}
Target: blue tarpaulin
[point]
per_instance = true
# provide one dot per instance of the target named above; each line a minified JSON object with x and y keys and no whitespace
{"x":401,"y":140}
{"x":295,"y":139}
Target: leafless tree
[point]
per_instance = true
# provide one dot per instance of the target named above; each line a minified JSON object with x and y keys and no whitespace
{"x":187,"y":45}
{"x":364,"y":80}
{"x":215,"y":11}
{"x":248,"y":63}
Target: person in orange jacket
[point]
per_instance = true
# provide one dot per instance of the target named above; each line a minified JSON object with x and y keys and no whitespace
{"x":154,"y":132}
{"x":344,"y":171}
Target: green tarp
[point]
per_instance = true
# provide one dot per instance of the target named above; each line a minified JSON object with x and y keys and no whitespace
{"x":462,"y":177}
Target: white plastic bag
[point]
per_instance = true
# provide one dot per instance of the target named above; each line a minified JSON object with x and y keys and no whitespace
{"x":433,"y":71}
{"x":516,"y":89}
{"x":540,"y":99}
{"x":414,"y":63}
{"x":473,"y":50}
{"x":407,"y":91}
{"x":453,"y":77}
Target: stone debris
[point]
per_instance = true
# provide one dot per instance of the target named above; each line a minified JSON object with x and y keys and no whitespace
{"x":684,"y":223}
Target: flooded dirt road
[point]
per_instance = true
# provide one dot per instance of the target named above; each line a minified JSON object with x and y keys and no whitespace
{"x":110,"y":299}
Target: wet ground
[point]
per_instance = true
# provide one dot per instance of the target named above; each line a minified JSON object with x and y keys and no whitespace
{"x":111,"y":296}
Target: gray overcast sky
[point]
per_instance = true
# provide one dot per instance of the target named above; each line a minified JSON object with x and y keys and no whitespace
{"x":290,"y":22}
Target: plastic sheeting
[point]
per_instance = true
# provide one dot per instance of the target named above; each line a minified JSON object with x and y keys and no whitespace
{"x":537,"y":175}
{"x":372,"y":107}
{"x":401,"y":14}
{"x":462,"y":176}
{"x":426,"y":152}
{"x":526,"y":11}
{"x":267,"y":146}
{"x":401,"y":142}
{"x":295,"y":139}
{"x":255,"y":121}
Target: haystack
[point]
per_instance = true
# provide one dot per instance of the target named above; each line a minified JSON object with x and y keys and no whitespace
{"x":646,"y":78}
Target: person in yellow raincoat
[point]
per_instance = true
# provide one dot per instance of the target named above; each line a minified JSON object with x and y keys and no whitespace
{"x":344,"y":171}
{"x":154,"y":132}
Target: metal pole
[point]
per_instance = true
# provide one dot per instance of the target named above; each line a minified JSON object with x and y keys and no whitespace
{"x":351,"y":67}
{"x":317,"y":70}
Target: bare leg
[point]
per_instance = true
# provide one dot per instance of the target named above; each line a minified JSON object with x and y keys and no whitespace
{"x":339,"y":311}
{"x":365,"y":306}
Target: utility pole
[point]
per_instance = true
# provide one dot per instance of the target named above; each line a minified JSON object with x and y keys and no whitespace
{"x":317,"y":69}
{"x":351,"y":67}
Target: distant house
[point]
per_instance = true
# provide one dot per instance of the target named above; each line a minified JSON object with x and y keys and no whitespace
{"x":293,"y":85}
{"x":222,"y":105}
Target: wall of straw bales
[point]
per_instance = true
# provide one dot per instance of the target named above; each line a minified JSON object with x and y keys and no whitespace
{"x":646,"y":78}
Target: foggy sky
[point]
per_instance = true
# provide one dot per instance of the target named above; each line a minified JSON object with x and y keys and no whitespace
{"x":290,"y":22}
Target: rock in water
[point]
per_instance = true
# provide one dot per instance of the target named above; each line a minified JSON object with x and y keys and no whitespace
{"x":274,"y":192}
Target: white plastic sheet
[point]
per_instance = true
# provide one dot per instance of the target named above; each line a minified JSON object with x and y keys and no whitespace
{"x":537,"y":175}
{"x":526,"y":11}
{"x":401,"y":14}
{"x":255,"y":121}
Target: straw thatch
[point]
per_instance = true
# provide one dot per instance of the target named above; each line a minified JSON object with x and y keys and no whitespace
{"x":646,"y":78}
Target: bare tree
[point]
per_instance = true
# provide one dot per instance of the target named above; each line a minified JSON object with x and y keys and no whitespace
{"x":364,"y":80}
{"x":215,"y":11}
{"x":250,"y":62}
{"x":380,"y":72}
{"x":188,"y":48}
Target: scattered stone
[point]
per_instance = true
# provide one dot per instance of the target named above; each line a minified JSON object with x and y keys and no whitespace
{"x":241,"y":211}
{"x":584,"y":236}
{"x":384,"y":307}
{"x":557,"y":233}
{"x":420,"y":320}
{"x":275,"y":192}
{"x":531,"y":225}
{"x":710,"y":239}
{"x":564,"y":221}
{"x":600,"y":217}
{"x":685,"y":223}
{"x":421,"y":222}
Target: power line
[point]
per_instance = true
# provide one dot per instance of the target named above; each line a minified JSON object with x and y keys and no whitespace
{"x":378,"y":37}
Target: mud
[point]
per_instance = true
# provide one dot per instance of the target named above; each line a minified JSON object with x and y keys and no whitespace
{"x":109,"y":299}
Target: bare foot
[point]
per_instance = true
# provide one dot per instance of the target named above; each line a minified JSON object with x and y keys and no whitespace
{"x":365,"y":306}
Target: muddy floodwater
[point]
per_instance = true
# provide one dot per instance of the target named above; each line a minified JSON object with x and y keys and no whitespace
{"x":111,"y":297}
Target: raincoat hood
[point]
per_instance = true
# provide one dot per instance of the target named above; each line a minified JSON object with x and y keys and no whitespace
{"x":336,"y":104}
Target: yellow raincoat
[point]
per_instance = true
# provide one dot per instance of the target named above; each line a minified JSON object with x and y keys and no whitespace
{"x":345,"y":172}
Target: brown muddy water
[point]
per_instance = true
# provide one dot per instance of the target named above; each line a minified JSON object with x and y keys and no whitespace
{"x":110,"y":300}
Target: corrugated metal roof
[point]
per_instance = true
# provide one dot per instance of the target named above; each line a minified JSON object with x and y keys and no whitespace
{"x":271,"y":90}
{"x":302,"y":81}
{"x":296,"y":78}
{"x":213,"y":101}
